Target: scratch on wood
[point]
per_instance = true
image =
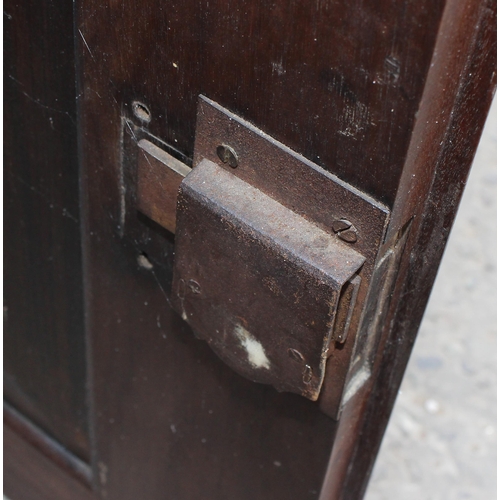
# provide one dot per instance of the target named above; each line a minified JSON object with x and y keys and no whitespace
{"x":86,"y":44}
{"x":122,"y":186}
{"x":36,"y":101}
{"x":44,"y":196}
{"x":355,"y":119}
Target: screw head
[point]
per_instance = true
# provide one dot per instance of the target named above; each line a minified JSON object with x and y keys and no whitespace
{"x":295,"y":355}
{"x":341,"y":225}
{"x":141,"y":111}
{"x":345,"y":230}
{"x":307,"y":374}
{"x":227,"y":155}
{"x":350,"y":236}
{"x":194,"y":286}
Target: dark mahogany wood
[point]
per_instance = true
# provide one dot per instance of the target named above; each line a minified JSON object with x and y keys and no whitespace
{"x":44,"y":345}
{"x":339,"y":82}
{"x":30,"y":475}
{"x":350,"y":86}
{"x":52,"y":449}
{"x":458,"y":93}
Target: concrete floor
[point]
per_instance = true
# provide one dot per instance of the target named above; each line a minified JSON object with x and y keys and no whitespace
{"x":441,"y":440}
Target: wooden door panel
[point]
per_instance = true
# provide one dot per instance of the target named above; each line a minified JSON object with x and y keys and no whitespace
{"x":390,"y":97}
{"x":31,"y":475}
{"x":332,"y":80}
{"x":462,"y":78}
{"x":45,"y":372}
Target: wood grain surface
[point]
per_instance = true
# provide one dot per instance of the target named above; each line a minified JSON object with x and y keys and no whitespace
{"x":163,"y":398}
{"x":44,"y":357}
{"x":30,"y":475}
{"x":388,"y":96}
{"x":458,"y":93}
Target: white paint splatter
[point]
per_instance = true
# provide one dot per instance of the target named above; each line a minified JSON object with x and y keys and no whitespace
{"x":256,"y":354}
{"x":144,"y":262}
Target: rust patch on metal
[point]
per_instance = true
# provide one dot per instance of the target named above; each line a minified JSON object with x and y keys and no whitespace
{"x":265,"y":281}
{"x":353,"y":219}
{"x":284,"y":175}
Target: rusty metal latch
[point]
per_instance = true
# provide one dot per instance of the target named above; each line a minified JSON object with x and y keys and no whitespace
{"x":273,"y":254}
{"x":258,"y":282}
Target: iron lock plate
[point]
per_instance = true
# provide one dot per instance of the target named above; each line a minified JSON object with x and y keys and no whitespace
{"x":273,"y":254}
{"x":258,"y":282}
